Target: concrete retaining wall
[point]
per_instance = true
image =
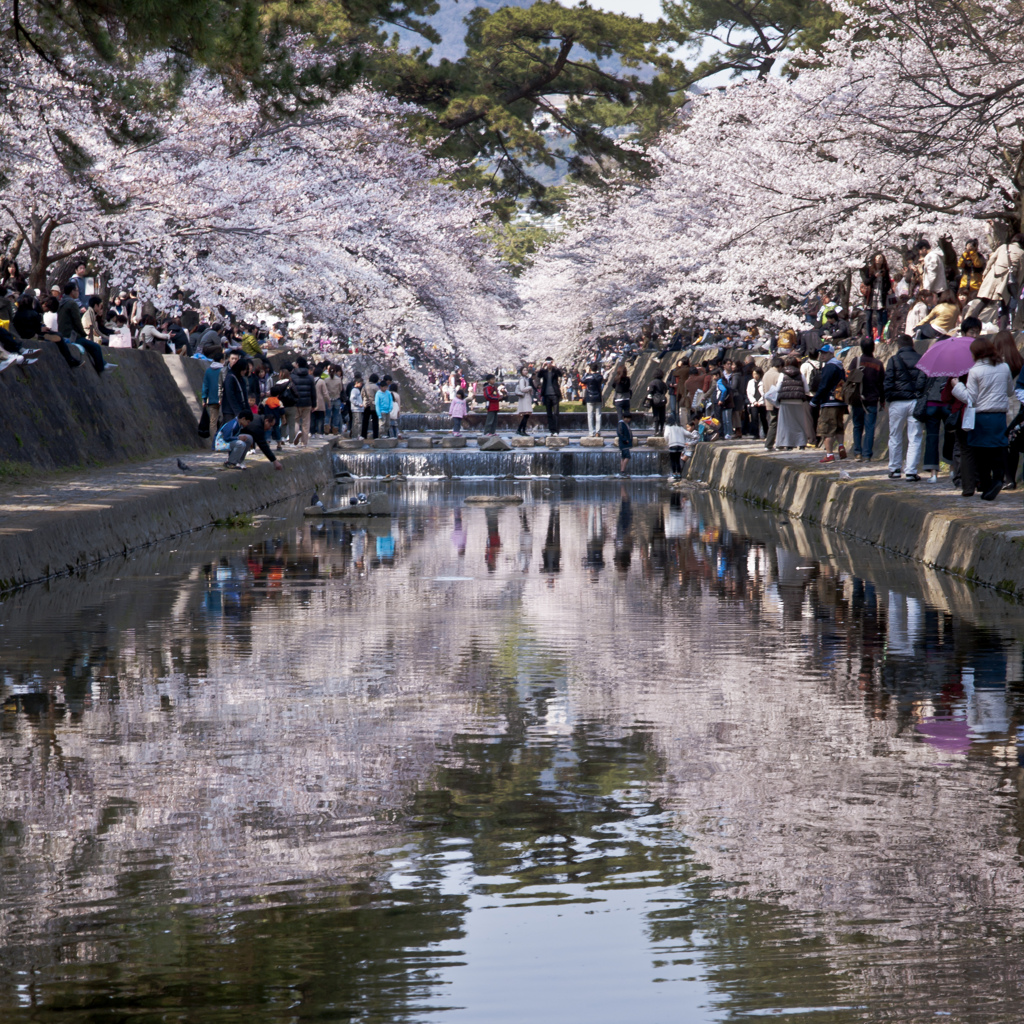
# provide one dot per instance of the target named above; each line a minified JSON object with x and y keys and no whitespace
{"x":58,"y":417}
{"x":968,"y":538}
{"x":111,"y":512}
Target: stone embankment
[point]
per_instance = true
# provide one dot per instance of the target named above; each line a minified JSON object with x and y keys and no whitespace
{"x":931,"y":523}
{"x":60,"y":524}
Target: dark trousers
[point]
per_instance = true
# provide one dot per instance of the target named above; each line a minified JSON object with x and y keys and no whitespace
{"x":621,"y":407}
{"x":370,"y":416}
{"x":491,"y":422}
{"x":92,"y":350}
{"x":962,"y":467}
{"x":876,"y":318}
{"x":933,"y":424}
{"x":926,"y":333}
{"x":659,"y":416}
{"x":759,"y":421}
{"x":675,"y":458}
{"x":773,"y":428}
{"x":990,"y":465}
{"x":551,"y":407}
{"x":521,"y":429}
{"x":864,"y":418}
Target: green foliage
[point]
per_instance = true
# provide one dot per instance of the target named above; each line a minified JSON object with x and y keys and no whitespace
{"x":538,"y":86}
{"x":517,"y":240}
{"x":250,"y":45}
{"x":748,"y":36}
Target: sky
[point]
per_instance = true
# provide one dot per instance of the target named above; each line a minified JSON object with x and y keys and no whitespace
{"x":649,"y":10}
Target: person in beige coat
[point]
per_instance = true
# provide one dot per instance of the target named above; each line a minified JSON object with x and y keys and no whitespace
{"x":771,"y":378}
{"x":1004,"y":267}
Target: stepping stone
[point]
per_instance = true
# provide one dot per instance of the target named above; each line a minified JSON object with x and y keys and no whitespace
{"x":349,"y":443}
{"x":556,"y":441}
{"x":493,"y":444}
{"x":421,"y":442}
{"x":656,"y":442}
{"x":521,"y":442}
{"x":592,"y":442}
{"x":453,"y":442}
{"x":385,"y":442}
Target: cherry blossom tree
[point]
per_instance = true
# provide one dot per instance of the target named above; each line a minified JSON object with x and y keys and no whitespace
{"x":772,"y":187}
{"x":330,"y":210}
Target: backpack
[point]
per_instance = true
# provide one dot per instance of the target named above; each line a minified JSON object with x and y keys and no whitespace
{"x":815,"y":379}
{"x":851,"y":387}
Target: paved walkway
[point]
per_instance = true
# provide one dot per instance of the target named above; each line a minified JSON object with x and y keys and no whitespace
{"x":60,"y":523}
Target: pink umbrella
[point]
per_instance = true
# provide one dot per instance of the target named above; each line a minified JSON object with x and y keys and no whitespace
{"x":948,"y":357}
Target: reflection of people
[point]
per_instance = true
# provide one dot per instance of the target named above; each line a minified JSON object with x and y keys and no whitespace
{"x":386,"y":547}
{"x":525,"y":543}
{"x":624,"y":533}
{"x":594,"y":558}
{"x":493,"y":539}
{"x":551,"y":553}
{"x":459,"y":534}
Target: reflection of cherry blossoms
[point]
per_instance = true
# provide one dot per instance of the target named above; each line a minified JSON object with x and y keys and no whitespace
{"x":770,"y":188}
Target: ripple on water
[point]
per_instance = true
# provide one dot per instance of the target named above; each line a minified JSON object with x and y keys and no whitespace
{"x":606,"y":756}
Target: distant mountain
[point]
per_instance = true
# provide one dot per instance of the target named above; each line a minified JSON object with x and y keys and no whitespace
{"x":450,"y":23}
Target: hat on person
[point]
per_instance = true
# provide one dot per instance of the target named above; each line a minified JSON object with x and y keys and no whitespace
{"x":826,"y":348}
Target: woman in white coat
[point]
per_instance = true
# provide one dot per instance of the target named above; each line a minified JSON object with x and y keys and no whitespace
{"x":524,"y":392}
{"x":987,"y":393}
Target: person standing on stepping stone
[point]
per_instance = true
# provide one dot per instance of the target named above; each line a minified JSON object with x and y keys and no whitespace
{"x":593,"y":385}
{"x":524,"y":392}
{"x":550,"y":392}
{"x":493,"y":397}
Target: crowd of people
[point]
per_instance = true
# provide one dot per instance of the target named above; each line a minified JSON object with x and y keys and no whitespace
{"x":798,"y":397}
{"x":256,"y":406}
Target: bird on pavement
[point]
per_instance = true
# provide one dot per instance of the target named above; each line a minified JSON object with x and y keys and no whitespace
{"x":315,"y":501}
{"x":184,"y":466}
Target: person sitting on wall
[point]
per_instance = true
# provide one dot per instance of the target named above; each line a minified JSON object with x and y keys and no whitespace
{"x":240,"y":435}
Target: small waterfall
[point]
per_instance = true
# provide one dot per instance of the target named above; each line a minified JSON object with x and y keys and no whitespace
{"x":468,"y":463}
{"x":510,"y":420}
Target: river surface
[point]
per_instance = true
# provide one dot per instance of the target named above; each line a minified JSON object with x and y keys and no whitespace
{"x":612,"y":756}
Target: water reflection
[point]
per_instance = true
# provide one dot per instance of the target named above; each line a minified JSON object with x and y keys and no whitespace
{"x":412,"y":769}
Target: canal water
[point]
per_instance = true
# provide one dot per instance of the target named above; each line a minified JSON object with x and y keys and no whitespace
{"x":613,"y":755}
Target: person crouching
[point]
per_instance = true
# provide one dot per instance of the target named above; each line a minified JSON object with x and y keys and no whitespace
{"x":239,"y":436}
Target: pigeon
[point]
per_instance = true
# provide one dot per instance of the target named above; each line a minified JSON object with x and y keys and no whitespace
{"x":315,"y":501}
{"x":184,"y":466}
{"x":844,"y":475}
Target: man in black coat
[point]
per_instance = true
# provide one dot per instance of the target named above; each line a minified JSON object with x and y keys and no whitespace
{"x":548,"y":378}
{"x":904,"y":384}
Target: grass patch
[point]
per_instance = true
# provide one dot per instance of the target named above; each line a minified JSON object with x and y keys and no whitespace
{"x":242,"y":521}
{"x":15,"y":470}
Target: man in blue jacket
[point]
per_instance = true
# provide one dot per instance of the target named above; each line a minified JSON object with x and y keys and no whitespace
{"x":829,"y":399}
{"x":211,"y":389}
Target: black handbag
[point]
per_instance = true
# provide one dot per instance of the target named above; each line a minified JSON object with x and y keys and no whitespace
{"x":204,"y":423}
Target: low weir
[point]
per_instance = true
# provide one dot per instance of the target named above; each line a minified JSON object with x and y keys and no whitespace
{"x":510,"y":420}
{"x":462,"y":463}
